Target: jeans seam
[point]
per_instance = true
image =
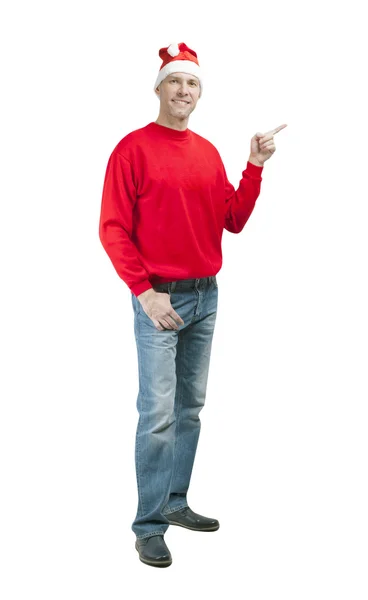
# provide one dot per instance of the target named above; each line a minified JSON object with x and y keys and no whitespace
{"x":152,"y":533}
{"x":180,"y":403}
{"x":137,"y":441}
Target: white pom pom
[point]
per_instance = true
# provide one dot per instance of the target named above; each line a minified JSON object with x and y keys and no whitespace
{"x":173,"y":50}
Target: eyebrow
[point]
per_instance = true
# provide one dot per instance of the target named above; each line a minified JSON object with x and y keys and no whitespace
{"x":178,"y":77}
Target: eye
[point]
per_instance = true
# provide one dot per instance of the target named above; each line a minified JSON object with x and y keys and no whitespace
{"x":192,"y":82}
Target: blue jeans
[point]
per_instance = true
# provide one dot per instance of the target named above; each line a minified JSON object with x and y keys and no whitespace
{"x":173,"y":368}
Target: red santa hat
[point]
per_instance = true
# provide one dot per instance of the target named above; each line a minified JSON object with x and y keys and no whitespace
{"x":178,"y":58}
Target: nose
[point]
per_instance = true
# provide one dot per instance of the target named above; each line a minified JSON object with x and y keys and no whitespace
{"x":183,"y":90}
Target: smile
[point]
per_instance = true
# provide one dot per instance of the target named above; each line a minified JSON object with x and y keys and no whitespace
{"x":180,"y":101}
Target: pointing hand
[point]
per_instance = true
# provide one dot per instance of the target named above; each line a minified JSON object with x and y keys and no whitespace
{"x":262,"y":146}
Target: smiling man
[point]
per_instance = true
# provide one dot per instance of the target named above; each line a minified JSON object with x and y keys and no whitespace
{"x":166,"y":201}
{"x":179,"y":95}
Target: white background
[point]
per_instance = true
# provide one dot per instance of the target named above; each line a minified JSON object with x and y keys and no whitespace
{"x":282,"y":457}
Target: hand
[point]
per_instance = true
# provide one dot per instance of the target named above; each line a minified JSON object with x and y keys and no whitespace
{"x":158,"y":308}
{"x":262,"y":146}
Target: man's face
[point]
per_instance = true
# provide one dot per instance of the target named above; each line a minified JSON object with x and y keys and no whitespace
{"x":176,"y":87}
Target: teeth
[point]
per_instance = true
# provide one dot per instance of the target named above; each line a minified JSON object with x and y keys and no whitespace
{"x":180,"y":102}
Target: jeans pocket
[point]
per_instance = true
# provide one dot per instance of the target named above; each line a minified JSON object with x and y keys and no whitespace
{"x":136,"y":304}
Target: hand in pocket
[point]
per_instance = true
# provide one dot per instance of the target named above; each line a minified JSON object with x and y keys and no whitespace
{"x":158,"y":308}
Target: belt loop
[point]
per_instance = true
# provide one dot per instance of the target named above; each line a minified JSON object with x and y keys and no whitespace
{"x":172,"y":286}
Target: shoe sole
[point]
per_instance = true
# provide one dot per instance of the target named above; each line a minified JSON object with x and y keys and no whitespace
{"x":163,"y":563}
{"x":214,"y":528}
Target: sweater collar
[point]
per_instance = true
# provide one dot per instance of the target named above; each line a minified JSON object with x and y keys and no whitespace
{"x":168,"y":132}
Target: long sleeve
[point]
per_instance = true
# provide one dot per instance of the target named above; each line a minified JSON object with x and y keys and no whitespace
{"x":116,"y":223}
{"x":240,"y":203}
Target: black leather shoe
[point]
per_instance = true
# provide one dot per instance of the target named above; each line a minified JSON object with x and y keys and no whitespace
{"x":153,"y":551}
{"x":191,"y":520}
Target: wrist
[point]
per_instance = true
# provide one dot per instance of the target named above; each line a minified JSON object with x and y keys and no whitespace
{"x":145,"y":294}
{"x":255,"y":162}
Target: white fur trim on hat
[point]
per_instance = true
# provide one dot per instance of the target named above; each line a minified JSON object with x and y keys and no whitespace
{"x":180,"y":66}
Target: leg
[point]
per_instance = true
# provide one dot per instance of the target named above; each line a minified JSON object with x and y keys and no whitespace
{"x":155,"y":437}
{"x":192,"y":368}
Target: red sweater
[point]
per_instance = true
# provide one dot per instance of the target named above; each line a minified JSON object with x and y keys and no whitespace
{"x":165,"y":203}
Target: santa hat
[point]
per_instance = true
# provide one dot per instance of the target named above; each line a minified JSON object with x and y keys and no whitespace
{"x":178,"y":58}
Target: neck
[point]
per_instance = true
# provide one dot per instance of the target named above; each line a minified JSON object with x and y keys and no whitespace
{"x":167,"y":121}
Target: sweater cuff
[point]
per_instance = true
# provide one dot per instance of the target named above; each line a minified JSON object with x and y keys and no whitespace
{"x":254,"y":170}
{"x":141,"y":287}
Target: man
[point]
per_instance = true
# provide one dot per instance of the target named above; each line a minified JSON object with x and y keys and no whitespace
{"x":166,"y":200}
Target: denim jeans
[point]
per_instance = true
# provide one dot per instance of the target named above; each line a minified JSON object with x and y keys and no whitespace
{"x":173,"y":368}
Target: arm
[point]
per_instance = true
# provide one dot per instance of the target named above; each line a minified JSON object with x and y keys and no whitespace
{"x":116,"y":223}
{"x":240,"y":203}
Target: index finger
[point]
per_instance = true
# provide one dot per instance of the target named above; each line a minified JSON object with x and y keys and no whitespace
{"x":278,"y":129}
